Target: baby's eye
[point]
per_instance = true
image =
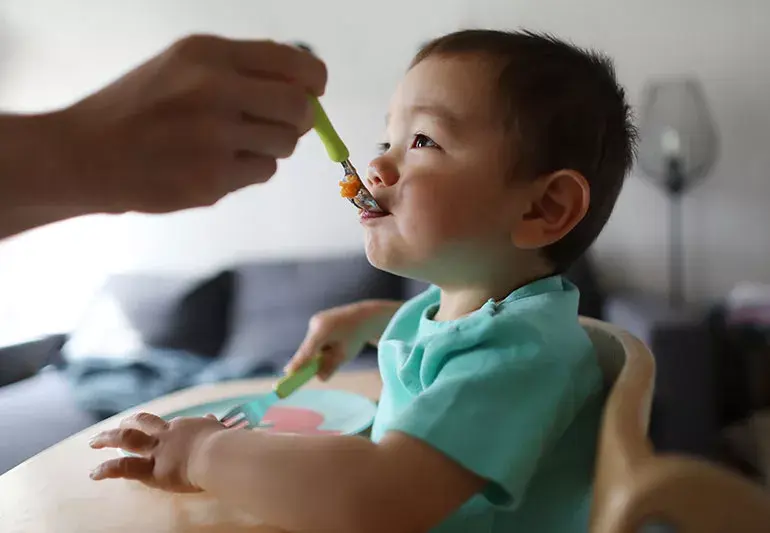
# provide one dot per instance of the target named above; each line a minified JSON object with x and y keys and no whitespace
{"x":383,"y":147}
{"x":423,"y":141}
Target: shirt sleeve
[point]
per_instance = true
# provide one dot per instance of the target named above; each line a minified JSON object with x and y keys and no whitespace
{"x":496,"y":413}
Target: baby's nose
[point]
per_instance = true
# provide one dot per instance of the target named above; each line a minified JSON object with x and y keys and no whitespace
{"x":382,"y":173}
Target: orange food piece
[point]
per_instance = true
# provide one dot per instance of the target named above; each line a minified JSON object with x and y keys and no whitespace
{"x":349,"y":186}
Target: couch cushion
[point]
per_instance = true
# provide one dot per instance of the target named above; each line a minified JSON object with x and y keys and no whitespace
{"x":275,"y":300}
{"x":198,"y":321}
{"x":159,"y":310}
{"x":25,"y":360}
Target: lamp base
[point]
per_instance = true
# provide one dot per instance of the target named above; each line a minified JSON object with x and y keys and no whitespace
{"x":675,"y":185}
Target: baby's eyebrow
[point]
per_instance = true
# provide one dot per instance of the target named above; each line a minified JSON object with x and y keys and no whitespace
{"x":442,"y":113}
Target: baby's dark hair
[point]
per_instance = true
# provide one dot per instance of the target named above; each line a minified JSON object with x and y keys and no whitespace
{"x":565,"y":109}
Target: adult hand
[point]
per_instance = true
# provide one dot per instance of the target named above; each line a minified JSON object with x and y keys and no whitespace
{"x":204,"y":118}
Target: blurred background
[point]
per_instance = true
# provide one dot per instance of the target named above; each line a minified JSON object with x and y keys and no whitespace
{"x":53,"y":53}
{"x":56,"y":52}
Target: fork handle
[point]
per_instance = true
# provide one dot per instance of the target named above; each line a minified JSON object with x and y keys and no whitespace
{"x":291,"y":382}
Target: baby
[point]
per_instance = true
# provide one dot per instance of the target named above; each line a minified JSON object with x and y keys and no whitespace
{"x":504,"y":154}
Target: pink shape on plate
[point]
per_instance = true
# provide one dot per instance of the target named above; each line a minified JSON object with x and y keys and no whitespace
{"x":295,"y":420}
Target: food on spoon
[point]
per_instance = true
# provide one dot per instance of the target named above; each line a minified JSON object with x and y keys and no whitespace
{"x":350,"y":186}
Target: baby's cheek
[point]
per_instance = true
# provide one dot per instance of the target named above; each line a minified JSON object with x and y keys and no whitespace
{"x":432,"y":227}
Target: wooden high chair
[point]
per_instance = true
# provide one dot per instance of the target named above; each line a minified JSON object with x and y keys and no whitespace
{"x":639,"y":491}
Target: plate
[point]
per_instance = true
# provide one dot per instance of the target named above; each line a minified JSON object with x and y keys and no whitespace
{"x":306,"y":412}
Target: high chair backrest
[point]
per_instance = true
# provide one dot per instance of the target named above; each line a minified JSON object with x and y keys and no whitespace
{"x":637,"y":491}
{"x":608,"y":342}
{"x":629,"y":374}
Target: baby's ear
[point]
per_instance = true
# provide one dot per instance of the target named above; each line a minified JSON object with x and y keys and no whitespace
{"x":558,"y":202}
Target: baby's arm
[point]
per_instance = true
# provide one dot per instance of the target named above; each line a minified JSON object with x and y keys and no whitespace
{"x":378,"y":314}
{"x":334,"y":483}
{"x":341,"y":484}
{"x":318,"y":483}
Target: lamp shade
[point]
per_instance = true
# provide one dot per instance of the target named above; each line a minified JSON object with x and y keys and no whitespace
{"x":675,"y":125}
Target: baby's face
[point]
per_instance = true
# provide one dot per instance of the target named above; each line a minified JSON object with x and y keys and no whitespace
{"x":443,"y":176}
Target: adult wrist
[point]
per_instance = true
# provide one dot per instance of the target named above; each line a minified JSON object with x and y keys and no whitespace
{"x":37,"y":161}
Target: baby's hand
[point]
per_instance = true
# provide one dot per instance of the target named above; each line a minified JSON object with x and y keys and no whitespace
{"x":337,"y":335}
{"x":166,"y":450}
{"x":340,"y":333}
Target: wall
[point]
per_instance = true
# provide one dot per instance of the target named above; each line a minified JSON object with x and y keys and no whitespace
{"x":54,"y":52}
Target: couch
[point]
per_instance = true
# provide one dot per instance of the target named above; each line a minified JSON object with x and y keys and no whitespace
{"x":247,"y":320}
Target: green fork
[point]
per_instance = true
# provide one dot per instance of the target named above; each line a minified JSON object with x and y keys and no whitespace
{"x":249,"y":415}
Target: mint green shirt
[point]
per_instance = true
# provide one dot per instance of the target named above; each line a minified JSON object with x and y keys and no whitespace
{"x":512,"y":392}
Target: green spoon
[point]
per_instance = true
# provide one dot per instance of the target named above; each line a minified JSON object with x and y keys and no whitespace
{"x":339,"y":153}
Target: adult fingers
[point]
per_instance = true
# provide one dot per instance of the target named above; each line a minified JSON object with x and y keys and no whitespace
{"x":271,"y":59}
{"x":269,"y":100}
{"x":260,"y":58}
{"x":247,"y":169}
{"x":277,"y":141}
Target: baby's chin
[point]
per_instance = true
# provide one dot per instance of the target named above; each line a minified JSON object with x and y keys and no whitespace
{"x":384,"y":261}
{"x":395,"y":263}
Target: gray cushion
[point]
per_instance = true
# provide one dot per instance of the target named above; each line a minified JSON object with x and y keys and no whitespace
{"x":275,"y":300}
{"x":148,"y":299}
{"x":25,"y":360}
{"x":198,"y":322}
{"x":160,"y":310}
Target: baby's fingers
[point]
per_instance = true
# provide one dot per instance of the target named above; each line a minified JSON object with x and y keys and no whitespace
{"x":317,"y":338}
{"x":303,"y":356}
{"x":138,"y":468}
{"x":295,"y":363}
{"x":146,"y":422}
{"x":128,"y":439}
{"x":331,"y":359}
